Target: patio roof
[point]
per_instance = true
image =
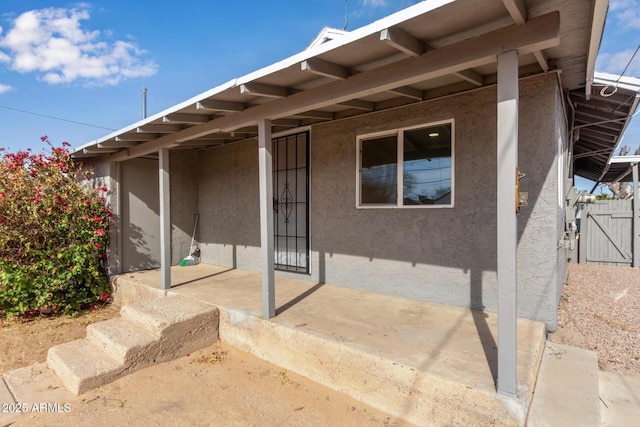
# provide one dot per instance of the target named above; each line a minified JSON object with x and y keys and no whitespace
{"x":429,"y":50}
{"x":599,"y":123}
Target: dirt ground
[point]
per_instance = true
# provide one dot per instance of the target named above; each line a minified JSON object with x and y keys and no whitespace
{"x":219,"y":385}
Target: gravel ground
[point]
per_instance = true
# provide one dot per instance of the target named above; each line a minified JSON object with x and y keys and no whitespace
{"x":600,"y":311}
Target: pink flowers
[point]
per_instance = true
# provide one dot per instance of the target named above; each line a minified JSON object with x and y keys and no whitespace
{"x":100,"y":232}
{"x":43,"y":138}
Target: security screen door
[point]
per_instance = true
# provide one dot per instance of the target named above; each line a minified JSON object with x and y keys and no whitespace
{"x":290,"y":202}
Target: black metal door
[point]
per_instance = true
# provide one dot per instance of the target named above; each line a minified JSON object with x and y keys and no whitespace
{"x":290,"y":202}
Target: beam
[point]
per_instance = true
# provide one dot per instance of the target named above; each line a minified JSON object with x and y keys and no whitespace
{"x":408,"y":92}
{"x":185,"y":118}
{"x":260,"y":89}
{"x":359,"y":105}
{"x":471,"y":77}
{"x":135,"y":137}
{"x":265,"y":167}
{"x":159,"y":128}
{"x":214,"y":105}
{"x":517,"y":9}
{"x":165,"y":219}
{"x":507,"y":224}
{"x":402,"y":41}
{"x":99,"y":150}
{"x":325,"y":68}
{"x":117,"y":144}
{"x":538,"y":33}
{"x":315,"y":114}
{"x":542,"y":60}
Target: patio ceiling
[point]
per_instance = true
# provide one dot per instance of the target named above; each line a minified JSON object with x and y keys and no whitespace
{"x":430,"y":50}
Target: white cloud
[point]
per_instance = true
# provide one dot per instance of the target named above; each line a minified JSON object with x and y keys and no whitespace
{"x":374,"y":3}
{"x":616,"y":62}
{"x":53,"y":43}
{"x":5,"y":88}
{"x":627,"y":13}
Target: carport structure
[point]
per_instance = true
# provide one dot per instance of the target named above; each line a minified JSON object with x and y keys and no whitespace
{"x":434,"y":50}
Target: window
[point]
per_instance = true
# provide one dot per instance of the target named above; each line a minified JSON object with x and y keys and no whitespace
{"x":410,"y":167}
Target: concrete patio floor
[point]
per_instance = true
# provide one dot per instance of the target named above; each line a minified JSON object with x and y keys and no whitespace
{"x":403,"y":356}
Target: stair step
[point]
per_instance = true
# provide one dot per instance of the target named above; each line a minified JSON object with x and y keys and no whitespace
{"x":124,"y":341}
{"x":184,"y":325}
{"x":81,"y":365}
{"x":567,"y":389}
{"x":147,"y":332}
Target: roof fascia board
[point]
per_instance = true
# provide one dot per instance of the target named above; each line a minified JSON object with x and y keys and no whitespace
{"x":628,"y":83}
{"x":600,"y":8}
{"x":625,"y":159}
{"x":538,"y":33}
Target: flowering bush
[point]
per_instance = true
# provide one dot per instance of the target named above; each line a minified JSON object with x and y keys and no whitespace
{"x":53,"y":233}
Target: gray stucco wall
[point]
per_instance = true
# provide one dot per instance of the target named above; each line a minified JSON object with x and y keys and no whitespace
{"x":229,"y":206}
{"x":140,"y":214}
{"x":445,"y":255}
{"x":184,"y":201}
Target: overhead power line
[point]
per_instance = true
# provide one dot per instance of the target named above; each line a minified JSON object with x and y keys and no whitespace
{"x":55,"y":118}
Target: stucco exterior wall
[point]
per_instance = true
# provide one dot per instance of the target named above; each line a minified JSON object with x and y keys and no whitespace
{"x":184,"y":186}
{"x":140,"y":214}
{"x":445,"y":255}
{"x":229,"y":206}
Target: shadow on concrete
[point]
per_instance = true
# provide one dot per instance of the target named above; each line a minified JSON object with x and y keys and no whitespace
{"x":480,"y":319}
{"x":200,"y":278}
{"x":299,"y":298}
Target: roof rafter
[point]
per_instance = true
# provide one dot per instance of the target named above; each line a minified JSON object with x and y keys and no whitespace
{"x":538,"y":33}
{"x":261,"y":89}
{"x":325,"y":68}
{"x":214,"y":105}
{"x":518,"y":11}
{"x":412,"y":46}
{"x":159,"y":128}
{"x":185,"y":118}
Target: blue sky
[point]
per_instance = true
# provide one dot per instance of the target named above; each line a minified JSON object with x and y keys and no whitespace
{"x":86,"y":62}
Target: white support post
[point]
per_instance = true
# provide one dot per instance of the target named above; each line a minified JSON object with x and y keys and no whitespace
{"x":266,"y":218}
{"x":165,"y":219}
{"x":636,"y":219}
{"x":507,"y":227}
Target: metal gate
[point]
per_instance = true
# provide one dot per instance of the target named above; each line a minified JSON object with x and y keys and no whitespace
{"x":606,"y":233}
{"x":290,"y":202}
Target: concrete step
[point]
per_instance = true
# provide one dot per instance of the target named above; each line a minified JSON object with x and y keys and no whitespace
{"x":183,"y":324}
{"x":567,"y":389}
{"x":81,"y":365}
{"x":124,"y":341}
{"x":147,"y":332}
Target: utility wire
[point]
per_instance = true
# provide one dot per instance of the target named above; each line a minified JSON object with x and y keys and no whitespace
{"x":54,"y":118}
{"x":628,"y":63}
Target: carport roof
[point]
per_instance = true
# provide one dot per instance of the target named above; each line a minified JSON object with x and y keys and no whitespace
{"x":432,"y":49}
{"x":599,"y":124}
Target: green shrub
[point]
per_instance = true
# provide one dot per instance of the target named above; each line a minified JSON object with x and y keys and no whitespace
{"x":53,"y":233}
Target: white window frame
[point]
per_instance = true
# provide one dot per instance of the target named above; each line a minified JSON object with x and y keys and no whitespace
{"x":399,"y":133}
